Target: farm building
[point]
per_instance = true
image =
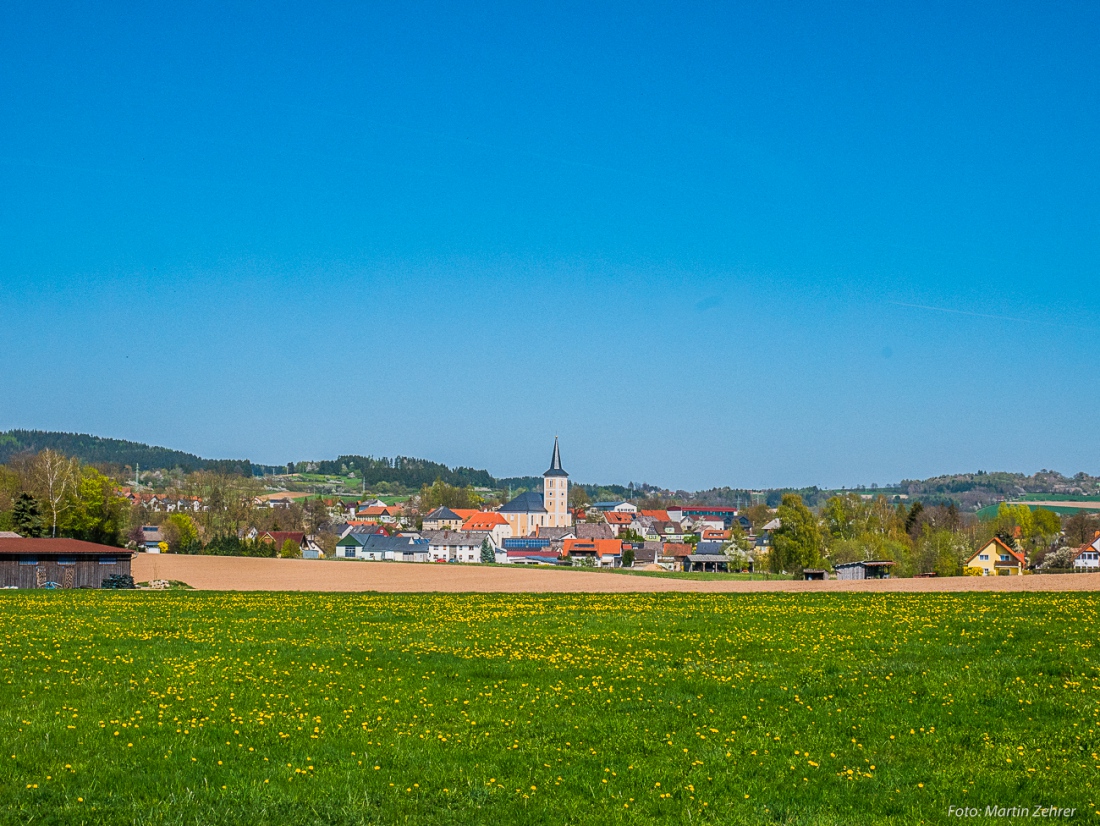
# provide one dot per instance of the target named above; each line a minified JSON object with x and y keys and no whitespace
{"x":814,"y":574}
{"x":59,"y":563}
{"x":871,"y":569}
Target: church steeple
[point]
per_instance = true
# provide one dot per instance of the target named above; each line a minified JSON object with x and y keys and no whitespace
{"x":555,"y":462}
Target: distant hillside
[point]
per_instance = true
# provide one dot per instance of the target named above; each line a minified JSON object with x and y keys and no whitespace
{"x":96,"y":450}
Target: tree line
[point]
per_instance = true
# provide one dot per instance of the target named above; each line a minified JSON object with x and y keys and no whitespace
{"x":918,"y":538}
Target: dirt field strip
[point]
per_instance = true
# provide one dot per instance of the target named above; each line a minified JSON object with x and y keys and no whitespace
{"x":228,"y":573}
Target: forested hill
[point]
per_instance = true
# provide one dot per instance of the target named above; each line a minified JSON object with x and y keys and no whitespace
{"x":97,"y":450}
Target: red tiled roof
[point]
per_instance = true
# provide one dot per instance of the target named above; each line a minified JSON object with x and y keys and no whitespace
{"x":618,"y":518}
{"x":678,"y":549}
{"x":58,"y":546}
{"x":602,"y":547}
{"x":660,"y":516}
{"x":484,"y":522}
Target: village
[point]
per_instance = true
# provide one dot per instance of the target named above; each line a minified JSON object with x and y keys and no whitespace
{"x":536,"y":528}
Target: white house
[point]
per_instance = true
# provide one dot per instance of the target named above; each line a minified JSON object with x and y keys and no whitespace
{"x":457,"y":546}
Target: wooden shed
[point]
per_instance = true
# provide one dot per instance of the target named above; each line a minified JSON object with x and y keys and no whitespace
{"x":59,"y":563}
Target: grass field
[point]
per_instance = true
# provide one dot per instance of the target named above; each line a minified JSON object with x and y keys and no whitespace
{"x":228,"y":708}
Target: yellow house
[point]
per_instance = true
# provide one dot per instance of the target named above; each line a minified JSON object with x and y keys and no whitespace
{"x":995,"y":558}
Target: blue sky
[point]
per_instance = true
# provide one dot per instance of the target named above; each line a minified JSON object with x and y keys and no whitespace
{"x":754,"y":244}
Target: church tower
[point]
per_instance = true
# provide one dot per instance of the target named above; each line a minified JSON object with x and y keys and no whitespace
{"x":555,"y":493}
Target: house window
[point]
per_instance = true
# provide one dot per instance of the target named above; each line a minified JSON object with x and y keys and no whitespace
{"x":108,"y":560}
{"x":66,"y":560}
{"x":28,"y":560}
{"x":349,"y":553}
{"x":983,"y":557}
{"x":1004,"y":557}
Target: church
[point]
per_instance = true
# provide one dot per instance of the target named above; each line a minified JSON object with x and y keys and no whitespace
{"x":550,"y":509}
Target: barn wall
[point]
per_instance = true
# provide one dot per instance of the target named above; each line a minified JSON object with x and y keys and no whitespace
{"x":86,"y":573}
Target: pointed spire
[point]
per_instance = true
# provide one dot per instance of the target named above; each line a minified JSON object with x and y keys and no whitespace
{"x":555,"y":462}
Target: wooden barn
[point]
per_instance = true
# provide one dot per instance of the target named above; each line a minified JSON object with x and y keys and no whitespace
{"x":59,"y":563}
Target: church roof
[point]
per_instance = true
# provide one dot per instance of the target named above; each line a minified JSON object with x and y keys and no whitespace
{"x":555,"y":462}
{"x":529,"y":502}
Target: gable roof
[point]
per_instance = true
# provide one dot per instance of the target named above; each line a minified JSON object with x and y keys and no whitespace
{"x":450,"y":539}
{"x":994,"y":543}
{"x":484,"y":521}
{"x":442,"y":512}
{"x":68,"y":547}
{"x":660,"y":516}
{"x":529,"y":502}
{"x":618,"y":517}
{"x":677,"y":549}
{"x":590,"y":530}
{"x":600,"y":547}
{"x":465,"y":513}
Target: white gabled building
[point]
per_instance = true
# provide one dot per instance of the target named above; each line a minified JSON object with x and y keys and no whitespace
{"x":457,"y":546}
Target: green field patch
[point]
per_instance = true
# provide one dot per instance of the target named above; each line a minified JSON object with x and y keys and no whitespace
{"x":228,"y":708}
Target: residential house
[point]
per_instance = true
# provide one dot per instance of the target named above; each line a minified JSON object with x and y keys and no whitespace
{"x":442,"y":519}
{"x":618,"y":520}
{"x":614,"y":507}
{"x":1088,"y":556}
{"x":602,"y":553}
{"x":673,"y":555}
{"x":590,"y":530}
{"x":457,"y":546}
{"x":280,"y":538}
{"x":995,"y":558}
{"x":152,"y":537}
{"x":489,"y":522}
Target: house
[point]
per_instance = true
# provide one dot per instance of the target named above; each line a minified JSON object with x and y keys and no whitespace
{"x":457,"y":546}
{"x":1088,"y":556}
{"x":995,"y":558}
{"x":618,"y":520}
{"x":614,"y":507}
{"x":442,"y":519}
{"x":870,"y":569}
{"x":312,"y":548}
{"x":377,"y":547}
{"x":589,"y":530}
{"x":603,"y":553}
{"x":152,"y":538}
{"x":489,"y":522}
{"x":673,"y":554}
{"x":646,"y":554}
{"x":693,"y":513}
{"x":280,"y":538}
{"x":59,"y":563}
{"x":523,"y":556}
{"x":657,"y":515}
{"x":377,"y":514}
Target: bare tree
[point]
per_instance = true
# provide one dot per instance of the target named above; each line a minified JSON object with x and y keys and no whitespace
{"x":55,"y":476}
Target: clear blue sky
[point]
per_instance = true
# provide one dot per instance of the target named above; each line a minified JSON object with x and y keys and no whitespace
{"x":744,"y":244}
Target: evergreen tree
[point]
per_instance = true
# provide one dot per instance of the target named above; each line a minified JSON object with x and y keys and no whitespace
{"x":26,"y":516}
{"x":487,"y":553}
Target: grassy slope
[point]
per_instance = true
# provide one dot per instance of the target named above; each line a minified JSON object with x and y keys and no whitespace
{"x":803,"y":709}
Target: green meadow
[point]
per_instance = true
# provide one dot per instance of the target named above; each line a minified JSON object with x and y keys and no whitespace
{"x":219,"y":708}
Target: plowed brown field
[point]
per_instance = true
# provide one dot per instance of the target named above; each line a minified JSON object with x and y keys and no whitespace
{"x":226,"y":573}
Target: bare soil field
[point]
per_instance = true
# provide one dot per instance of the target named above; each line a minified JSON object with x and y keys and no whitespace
{"x":228,"y":573}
